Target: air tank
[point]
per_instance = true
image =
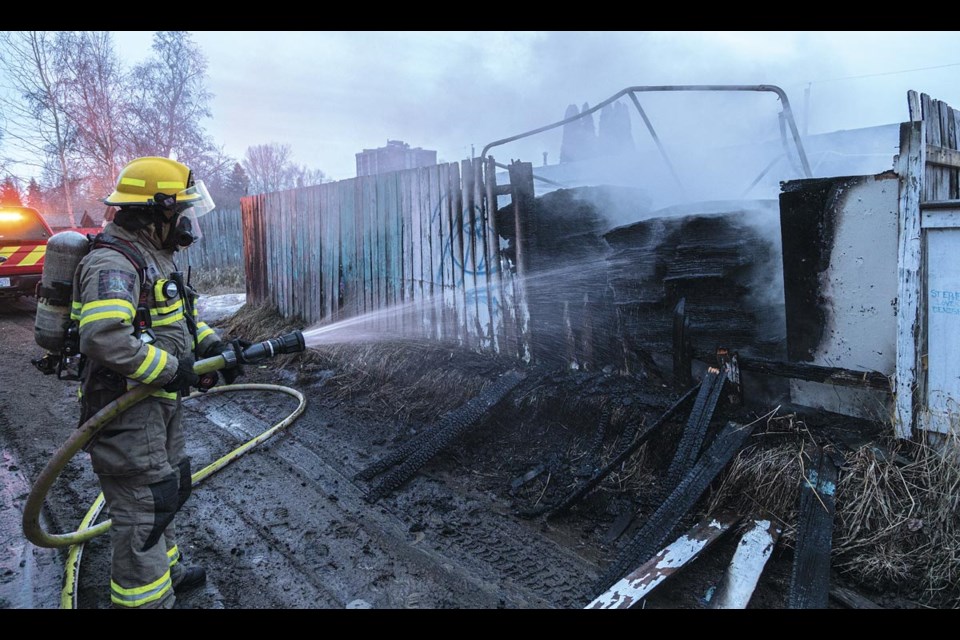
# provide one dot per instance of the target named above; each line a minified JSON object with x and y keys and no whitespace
{"x":64,"y":252}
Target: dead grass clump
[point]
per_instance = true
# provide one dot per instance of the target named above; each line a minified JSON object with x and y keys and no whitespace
{"x":259,"y":322}
{"x":898,"y":520}
{"x":263,"y":322}
{"x":420,"y":379}
{"x":764,"y":480}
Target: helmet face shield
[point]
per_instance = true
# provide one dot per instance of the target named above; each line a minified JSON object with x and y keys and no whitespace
{"x":196,"y":199}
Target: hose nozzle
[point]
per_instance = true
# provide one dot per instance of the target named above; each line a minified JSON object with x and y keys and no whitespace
{"x":288,"y":343}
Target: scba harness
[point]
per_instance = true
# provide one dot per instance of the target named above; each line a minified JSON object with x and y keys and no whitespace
{"x":64,"y":358}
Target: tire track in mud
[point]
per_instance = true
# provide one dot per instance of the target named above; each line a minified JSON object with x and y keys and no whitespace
{"x":527,"y":568}
{"x":314,"y":519}
{"x":517,"y":557}
{"x":385,"y":554}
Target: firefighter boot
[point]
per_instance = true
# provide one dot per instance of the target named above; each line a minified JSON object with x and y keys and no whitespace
{"x":190,"y":578}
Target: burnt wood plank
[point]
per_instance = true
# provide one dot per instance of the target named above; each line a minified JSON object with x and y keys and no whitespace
{"x":852,"y":599}
{"x":696,"y":428}
{"x":810,"y":577}
{"x":807,"y":371}
{"x":655,"y":531}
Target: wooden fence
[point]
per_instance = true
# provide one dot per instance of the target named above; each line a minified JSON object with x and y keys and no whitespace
{"x":221,"y":246}
{"x":414,"y":252}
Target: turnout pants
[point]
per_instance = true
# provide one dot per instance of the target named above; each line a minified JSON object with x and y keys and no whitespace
{"x":140,"y":459}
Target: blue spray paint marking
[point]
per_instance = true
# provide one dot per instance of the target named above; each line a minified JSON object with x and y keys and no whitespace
{"x":467,"y":229}
{"x":944,"y":301}
{"x":825,"y":487}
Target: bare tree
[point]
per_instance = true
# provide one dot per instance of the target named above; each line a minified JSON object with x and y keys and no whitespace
{"x":304,"y":176}
{"x":269,"y":167}
{"x":94,"y":100}
{"x":213,"y":166}
{"x":170,"y":100}
{"x":35,"y":119}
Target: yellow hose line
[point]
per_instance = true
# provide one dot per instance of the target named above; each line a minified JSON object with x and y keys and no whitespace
{"x":72,"y":572}
{"x":32,"y":529}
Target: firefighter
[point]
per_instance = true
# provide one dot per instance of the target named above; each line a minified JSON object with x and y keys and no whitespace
{"x":138,"y":324}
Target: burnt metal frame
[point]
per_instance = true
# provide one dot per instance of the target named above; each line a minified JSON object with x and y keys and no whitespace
{"x":786,"y":113}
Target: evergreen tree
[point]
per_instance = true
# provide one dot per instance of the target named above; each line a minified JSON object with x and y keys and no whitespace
{"x":9,"y":194}
{"x":238,"y":183}
{"x":614,"y":135}
{"x":34,"y":196}
{"x":606,"y":133}
{"x":624,"y":135}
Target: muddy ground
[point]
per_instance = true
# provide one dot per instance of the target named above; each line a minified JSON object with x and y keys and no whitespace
{"x":289,"y":525}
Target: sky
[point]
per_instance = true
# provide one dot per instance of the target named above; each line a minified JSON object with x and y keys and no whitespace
{"x":329,"y":95}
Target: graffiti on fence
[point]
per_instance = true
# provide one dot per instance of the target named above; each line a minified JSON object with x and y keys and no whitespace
{"x":475,"y":261}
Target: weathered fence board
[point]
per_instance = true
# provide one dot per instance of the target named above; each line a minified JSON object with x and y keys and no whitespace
{"x":416,"y":251}
{"x":367,"y":212}
{"x":464,"y":214}
{"x":492,"y":267}
{"x":353,"y":300}
{"x":479,"y":259}
{"x":428,"y":236}
{"x":451,"y":314}
{"x":221,"y":244}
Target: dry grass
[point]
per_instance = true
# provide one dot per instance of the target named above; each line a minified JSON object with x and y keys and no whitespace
{"x":899,"y":524}
{"x":214,"y":282}
{"x":423,"y":380}
{"x":764,"y":480}
{"x":635,"y":475}
{"x":259,"y":322}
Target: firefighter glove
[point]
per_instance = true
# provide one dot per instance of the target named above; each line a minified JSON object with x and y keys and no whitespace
{"x":238,"y":345}
{"x":184,"y":378}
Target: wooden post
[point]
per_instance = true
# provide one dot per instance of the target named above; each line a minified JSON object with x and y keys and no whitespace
{"x":521,"y":183}
{"x":908,"y":378}
{"x":682,"y":374}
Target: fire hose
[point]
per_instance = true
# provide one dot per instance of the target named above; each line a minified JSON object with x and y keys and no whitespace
{"x":289,"y":343}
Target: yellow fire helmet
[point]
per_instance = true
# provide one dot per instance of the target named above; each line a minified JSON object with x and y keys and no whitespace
{"x":160,"y":181}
